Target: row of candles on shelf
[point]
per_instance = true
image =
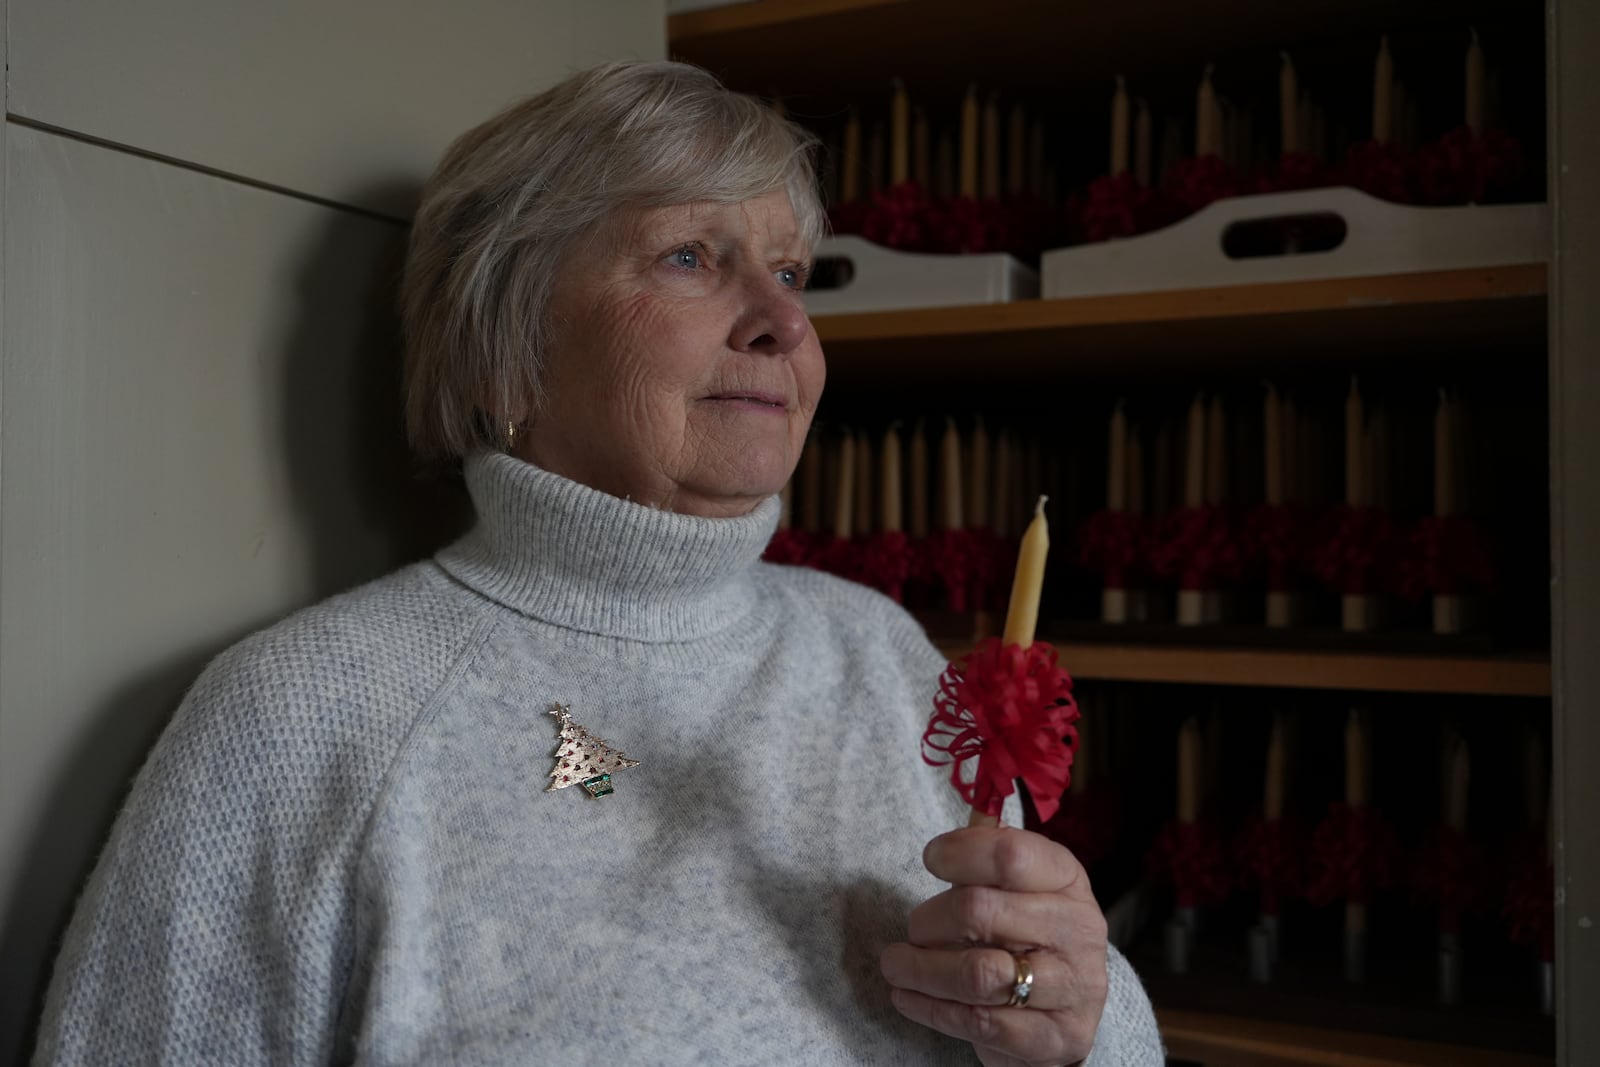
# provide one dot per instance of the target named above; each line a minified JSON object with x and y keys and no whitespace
{"x":1358,"y":548}
{"x":927,"y":191}
{"x":1350,"y":855}
{"x":944,"y":535}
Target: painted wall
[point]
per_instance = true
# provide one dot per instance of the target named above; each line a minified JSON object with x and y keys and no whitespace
{"x":203,"y":214}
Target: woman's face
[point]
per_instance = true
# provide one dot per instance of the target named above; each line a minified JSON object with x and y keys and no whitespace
{"x":682,"y":371}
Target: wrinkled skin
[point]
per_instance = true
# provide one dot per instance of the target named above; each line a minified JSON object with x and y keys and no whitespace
{"x":1011,"y":891}
{"x":682,"y":371}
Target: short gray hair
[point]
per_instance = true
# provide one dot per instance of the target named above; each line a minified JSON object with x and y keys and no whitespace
{"x":514,"y":196}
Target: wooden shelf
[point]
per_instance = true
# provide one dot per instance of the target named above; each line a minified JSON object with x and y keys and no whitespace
{"x":1339,"y":322}
{"x":938,"y":46}
{"x":1272,"y":668}
{"x":1240,"y":1042}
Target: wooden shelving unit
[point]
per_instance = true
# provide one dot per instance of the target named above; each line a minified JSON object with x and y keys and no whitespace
{"x":941,"y":45}
{"x":1269,"y":668}
{"x":1244,"y":1042}
{"x":1490,"y":318}
{"x":1441,"y":314}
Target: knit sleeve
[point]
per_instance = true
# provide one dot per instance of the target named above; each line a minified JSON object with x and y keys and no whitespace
{"x":216,"y":926}
{"x":219,"y":926}
{"x":1128,"y":1036}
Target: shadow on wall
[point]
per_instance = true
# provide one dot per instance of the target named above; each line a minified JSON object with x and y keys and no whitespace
{"x":348,"y":460}
{"x":362,"y":510}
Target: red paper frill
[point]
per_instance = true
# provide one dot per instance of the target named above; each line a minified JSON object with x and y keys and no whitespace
{"x":1446,"y":555}
{"x":1191,"y":856}
{"x":1086,"y":824}
{"x":1354,"y":853}
{"x":795,"y":547}
{"x":1294,"y":170}
{"x":900,"y":217}
{"x":885,"y":562}
{"x":1352,"y":548}
{"x":947,"y":560}
{"x":1118,"y":206}
{"x":1196,"y":546}
{"x":1270,"y":857}
{"x":1274,"y":542}
{"x":1112,"y":544}
{"x":1381,"y":169}
{"x":963,"y":224}
{"x":1009,"y":711}
{"x":1201,"y":180}
{"x":1530,"y":897}
{"x":1463,"y":168}
{"x":1451,"y":871}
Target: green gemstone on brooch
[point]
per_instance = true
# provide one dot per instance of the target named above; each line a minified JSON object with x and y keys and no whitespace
{"x":598,"y":786}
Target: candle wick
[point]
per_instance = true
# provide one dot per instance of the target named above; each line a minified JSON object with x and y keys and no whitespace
{"x":1038,"y":509}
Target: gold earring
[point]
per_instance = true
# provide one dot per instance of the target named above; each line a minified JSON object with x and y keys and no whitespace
{"x":511,"y":434}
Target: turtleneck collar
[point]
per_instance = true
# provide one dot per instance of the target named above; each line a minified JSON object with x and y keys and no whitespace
{"x":573,"y":556}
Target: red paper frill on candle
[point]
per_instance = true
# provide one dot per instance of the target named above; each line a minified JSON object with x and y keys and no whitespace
{"x":1381,"y":169}
{"x":1353,"y":550}
{"x":1004,"y":713}
{"x":1446,"y":555}
{"x":964,"y":224}
{"x":884,"y":561}
{"x":795,"y":547}
{"x":1464,"y":168}
{"x":1196,"y":547}
{"x":1270,"y":856}
{"x":947,"y":560}
{"x":1451,"y":871}
{"x":905,"y":217}
{"x":899,"y":217}
{"x":1275,"y":542}
{"x":1353,"y":854}
{"x":1530,"y":896}
{"x":1293,"y":171}
{"x":1201,"y":180}
{"x":1118,"y":206}
{"x":1113,"y":545}
{"x":1192,"y":857}
{"x":1087,"y":824}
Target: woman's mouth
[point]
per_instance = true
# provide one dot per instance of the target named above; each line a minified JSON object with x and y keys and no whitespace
{"x":754,"y":400}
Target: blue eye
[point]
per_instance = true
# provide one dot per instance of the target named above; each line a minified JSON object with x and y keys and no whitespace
{"x":792,"y":278}
{"x":687,"y":258}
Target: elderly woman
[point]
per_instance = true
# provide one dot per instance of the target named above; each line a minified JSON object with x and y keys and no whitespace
{"x":352,"y":844}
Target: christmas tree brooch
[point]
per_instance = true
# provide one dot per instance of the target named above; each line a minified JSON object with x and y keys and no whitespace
{"x":584,"y":759}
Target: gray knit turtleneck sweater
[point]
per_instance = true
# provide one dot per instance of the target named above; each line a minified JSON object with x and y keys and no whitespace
{"x":342,"y":849}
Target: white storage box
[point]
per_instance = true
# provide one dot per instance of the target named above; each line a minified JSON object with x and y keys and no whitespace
{"x":1380,"y":238}
{"x":882,"y":279}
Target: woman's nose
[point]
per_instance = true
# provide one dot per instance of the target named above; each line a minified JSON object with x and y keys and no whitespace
{"x":773,"y":321}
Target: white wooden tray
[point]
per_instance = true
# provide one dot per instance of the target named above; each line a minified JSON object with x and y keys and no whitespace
{"x":1380,"y":238}
{"x":882,"y":279}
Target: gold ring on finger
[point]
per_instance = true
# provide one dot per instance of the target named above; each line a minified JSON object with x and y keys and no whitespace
{"x":1022,"y":989}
